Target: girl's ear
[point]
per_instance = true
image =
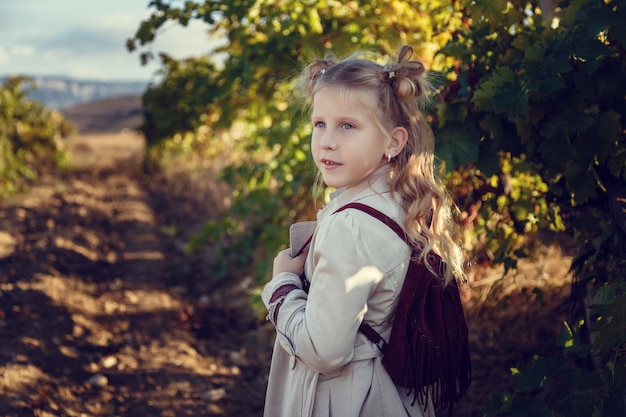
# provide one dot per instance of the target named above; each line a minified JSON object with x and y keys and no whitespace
{"x":399,"y":137}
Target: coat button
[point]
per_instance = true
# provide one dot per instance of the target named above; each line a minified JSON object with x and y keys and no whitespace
{"x":292,"y":362}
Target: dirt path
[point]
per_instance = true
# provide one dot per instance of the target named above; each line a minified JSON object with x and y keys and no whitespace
{"x":88,"y":326}
{"x":101,"y":314}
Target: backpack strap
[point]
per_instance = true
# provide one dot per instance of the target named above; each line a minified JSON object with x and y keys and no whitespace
{"x":365,"y":328}
{"x":379,"y":215}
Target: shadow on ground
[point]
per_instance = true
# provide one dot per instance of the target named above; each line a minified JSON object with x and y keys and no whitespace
{"x":87,"y":322}
{"x":94,"y":320}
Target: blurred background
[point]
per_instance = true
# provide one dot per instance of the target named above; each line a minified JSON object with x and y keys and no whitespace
{"x":152,"y":157}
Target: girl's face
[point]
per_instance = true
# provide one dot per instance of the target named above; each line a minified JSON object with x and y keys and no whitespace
{"x":346,"y":144}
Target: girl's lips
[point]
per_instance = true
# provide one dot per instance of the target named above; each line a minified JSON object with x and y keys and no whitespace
{"x":327,"y":163}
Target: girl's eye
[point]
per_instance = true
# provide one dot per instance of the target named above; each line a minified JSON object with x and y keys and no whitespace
{"x":319,"y":124}
{"x":347,"y":126}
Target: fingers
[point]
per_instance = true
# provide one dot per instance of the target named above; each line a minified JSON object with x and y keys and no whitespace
{"x":287,"y":254}
{"x":285,"y":263}
{"x":302,"y":253}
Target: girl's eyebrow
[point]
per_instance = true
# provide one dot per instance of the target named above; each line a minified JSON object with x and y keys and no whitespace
{"x":339,"y":118}
{"x":350,"y":120}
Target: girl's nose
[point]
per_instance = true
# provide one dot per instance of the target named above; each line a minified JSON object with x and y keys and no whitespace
{"x":328,"y":141}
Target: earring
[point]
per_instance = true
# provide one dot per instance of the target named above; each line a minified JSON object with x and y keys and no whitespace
{"x":388,"y":156}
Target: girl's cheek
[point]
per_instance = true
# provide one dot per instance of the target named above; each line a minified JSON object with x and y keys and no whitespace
{"x":314,"y":142}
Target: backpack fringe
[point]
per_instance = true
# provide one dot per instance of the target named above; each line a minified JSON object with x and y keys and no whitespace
{"x":441,"y":377}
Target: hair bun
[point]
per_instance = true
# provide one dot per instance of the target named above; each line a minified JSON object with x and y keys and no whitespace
{"x":406,"y":77}
{"x":314,"y":71}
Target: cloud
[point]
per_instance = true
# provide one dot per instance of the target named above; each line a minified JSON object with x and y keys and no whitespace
{"x":182,"y":42}
{"x":83,"y":41}
{"x":88,"y":72}
{"x":108,"y":36}
{"x":4,"y":56}
{"x":86,"y":39}
{"x":22,"y":51}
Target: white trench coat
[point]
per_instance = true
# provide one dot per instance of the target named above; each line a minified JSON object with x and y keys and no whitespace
{"x":321,"y":365}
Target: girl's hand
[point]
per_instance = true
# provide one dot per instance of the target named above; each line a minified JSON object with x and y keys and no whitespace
{"x":285,"y":263}
{"x":280,"y":286}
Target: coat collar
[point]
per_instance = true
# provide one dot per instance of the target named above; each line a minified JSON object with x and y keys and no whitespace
{"x":378,"y":183}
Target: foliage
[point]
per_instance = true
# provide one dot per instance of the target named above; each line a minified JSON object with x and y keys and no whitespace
{"x":586,"y":380}
{"x":247,"y":95}
{"x":551,"y":94}
{"x":30,"y":136}
{"x":530,"y":130}
{"x":179,"y":103}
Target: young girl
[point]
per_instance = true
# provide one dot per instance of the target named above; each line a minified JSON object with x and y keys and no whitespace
{"x":373,"y":145}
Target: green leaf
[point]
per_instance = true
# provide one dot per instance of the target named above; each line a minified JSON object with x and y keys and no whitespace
{"x":535,"y":52}
{"x":488,"y":157}
{"x":584,"y":381}
{"x":489,"y":9}
{"x":557,"y":60}
{"x":617,"y":164}
{"x":512,"y":100}
{"x":609,"y":130}
{"x":597,"y":20}
{"x":458,"y":147}
{"x":570,"y":13}
{"x":582,"y":183}
{"x":443,"y":152}
{"x":604,"y":295}
{"x":554,"y":147}
{"x":501,"y":92}
{"x":530,"y":407}
{"x":490,"y":86}
{"x":617,"y":30}
{"x":532,"y":377}
{"x":588,"y":53}
{"x":610,"y":328}
{"x":453,"y":112}
{"x":574,"y":118}
{"x":566,"y":337}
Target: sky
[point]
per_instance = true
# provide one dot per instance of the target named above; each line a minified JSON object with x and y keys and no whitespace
{"x":86,"y":39}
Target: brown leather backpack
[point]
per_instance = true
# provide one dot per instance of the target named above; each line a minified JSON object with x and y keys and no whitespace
{"x":428,"y":350}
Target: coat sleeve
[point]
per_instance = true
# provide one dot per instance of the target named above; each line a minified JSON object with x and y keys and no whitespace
{"x":347,"y":268}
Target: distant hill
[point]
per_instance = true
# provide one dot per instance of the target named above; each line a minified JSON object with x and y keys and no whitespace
{"x":59,"y":92}
{"x":109,"y":115}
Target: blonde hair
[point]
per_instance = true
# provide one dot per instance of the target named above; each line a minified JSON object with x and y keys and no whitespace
{"x":399,"y":90}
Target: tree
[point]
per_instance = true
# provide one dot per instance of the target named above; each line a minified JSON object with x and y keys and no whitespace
{"x":31,"y":136}
{"x":266,"y":44}
{"x":530,"y":129}
{"x":551,"y":94}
